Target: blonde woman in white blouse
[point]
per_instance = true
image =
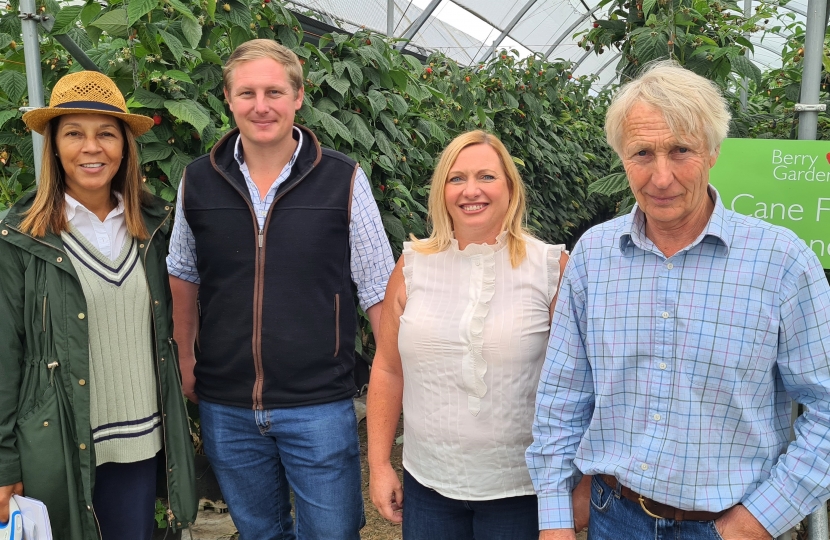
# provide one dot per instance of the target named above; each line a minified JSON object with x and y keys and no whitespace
{"x":463,"y":335}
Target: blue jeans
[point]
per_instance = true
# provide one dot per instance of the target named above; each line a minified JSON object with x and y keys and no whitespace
{"x":257,"y":455}
{"x":616,"y":518}
{"x":428,"y":515}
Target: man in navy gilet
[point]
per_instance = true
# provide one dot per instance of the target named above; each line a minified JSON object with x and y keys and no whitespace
{"x":273,"y":236}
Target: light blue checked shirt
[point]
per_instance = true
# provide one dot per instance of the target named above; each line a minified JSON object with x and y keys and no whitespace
{"x":675,"y":375}
{"x":371,"y":262}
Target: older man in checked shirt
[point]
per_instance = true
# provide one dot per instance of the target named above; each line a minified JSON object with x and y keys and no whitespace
{"x":681,"y":333}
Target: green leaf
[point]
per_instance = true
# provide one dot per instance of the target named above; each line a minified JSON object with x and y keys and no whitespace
{"x":360,"y":131}
{"x":384,"y":145}
{"x":155,"y":152}
{"x":190,"y":112}
{"x":138,"y":8}
{"x":398,"y":103}
{"x":651,"y":47}
{"x":746,"y":68}
{"x":239,"y":35}
{"x":173,"y":43}
{"x":211,"y":9}
{"x":377,"y":102}
{"x":215,"y":104}
{"x":5,"y":116}
{"x":147,"y":36}
{"x":65,"y":19}
{"x":393,"y":226}
{"x":355,"y":74}
{"x":192,"y":31}
{"x":386,"y":163}
{"x":89,"y":12}
{"x":648,"y":6}
{"x":182,"y":8}
{"x":339,"y":85}
{"x":609,"y":185}
{"x":414,"y":64}
{"x":113,"y":22}
{"x":147,"y":99}
{"x":334,"y":127}
{"x":177,"y":75}
{"x":208,"y":55}
{"x":174,"y":166}
{"x":14,"y":84}
{"x":147,"y":138}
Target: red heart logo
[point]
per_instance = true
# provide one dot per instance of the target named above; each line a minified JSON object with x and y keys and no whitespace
{"x":828,"y":157}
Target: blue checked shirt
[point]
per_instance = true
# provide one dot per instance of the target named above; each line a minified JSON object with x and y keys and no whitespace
{"x":675,"y":375}
{"x":371,"y":262}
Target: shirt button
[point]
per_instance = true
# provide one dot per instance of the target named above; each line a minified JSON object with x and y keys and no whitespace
{"x":657,"y":417}
{"x":59,"y":259}
{"x":663,"y":365}
{"x":156,"y":302}
{"x":644,"y":466}
{"x":82,"y":382}
{"x":670,"y":266}
{"x":46,"y":424}
{"x":4,"y":232}
{"x":478,"y":263}
{"x":665,"y":314}
{"x":81,"y":316}
{"x":82,"y":446}
{"x":141,"y":246}
{"x":167,"y":208}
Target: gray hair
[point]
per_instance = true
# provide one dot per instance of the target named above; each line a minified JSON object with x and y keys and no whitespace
{"x":691,"y":105}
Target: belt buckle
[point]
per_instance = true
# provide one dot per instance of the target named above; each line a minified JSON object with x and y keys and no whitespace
{"x":643,"y":506}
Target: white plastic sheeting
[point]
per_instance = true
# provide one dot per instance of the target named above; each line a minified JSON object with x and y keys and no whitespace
{"x":466,"y":30}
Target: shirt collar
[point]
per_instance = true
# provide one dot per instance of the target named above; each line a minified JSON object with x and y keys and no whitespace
{"x":633,"y":229}
{"x":73,"y":206}
{"x":298,"y":136}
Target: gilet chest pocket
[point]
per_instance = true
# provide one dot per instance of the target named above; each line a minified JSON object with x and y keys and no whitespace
{"x":722,"y":347}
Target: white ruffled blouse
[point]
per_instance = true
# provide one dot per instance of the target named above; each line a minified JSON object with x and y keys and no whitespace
{"x":472,"y":341}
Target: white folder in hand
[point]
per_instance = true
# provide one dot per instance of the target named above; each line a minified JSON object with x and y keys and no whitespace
{"x":35,"y":519}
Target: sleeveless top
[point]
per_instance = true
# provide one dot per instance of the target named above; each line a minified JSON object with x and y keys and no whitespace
{"x":472,"y":341}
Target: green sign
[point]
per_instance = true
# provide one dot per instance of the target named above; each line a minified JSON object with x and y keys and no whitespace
{"x":782,"y":182}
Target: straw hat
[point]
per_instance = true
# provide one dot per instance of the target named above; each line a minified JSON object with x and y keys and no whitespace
{"x":86,"y":92}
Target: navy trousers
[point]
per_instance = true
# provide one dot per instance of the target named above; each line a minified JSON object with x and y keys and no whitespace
{"x":125,"y":499}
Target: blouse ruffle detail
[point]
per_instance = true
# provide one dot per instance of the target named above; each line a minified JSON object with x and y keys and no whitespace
{"x":482,"y":287}
{"x":408,"y":266}
{"x":552,"y":257}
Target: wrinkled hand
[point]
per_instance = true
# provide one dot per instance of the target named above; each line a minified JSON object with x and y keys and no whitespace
{"x":386,"y":492}
{"x":582,"y":503}
{"x":6,"y":493}
{"x":186,"y":366}
{"x":739,"y":524}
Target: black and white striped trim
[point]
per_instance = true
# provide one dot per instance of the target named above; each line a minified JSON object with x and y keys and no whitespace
{"x":129,"y":429}
{"x":111,"y":274}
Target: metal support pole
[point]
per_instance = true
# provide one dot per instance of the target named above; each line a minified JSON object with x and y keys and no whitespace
{"x":34,"y":77}
{"x":419,"y":22}
{"x":745,"y":81}
{"x":507,"y":29}
{"x":390,"y":18}
{"x":811,"y":79}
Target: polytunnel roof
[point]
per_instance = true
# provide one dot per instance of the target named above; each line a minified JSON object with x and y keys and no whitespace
{"x":467,"y":30}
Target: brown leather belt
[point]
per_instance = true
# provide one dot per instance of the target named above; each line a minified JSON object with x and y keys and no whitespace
{"x":659,"y":510}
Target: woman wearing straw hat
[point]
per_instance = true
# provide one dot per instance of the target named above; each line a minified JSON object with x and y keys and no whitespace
{"x":90,"y":402}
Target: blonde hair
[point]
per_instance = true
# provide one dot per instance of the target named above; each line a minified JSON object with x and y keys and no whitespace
{"x":439,"y":217}
{"x":47,"y":212}
{"x":691,"y":105}
{"x":265,"y":48}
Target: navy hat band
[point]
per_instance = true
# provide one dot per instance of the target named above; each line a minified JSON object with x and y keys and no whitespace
{"x":89,"y":105}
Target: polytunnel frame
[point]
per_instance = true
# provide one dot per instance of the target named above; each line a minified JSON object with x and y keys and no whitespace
{"x":808,"y":106}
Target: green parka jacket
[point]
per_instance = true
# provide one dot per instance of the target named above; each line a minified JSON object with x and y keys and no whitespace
{"x":45,"y":433}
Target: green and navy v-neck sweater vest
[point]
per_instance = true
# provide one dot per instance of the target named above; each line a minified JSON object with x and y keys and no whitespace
{"x":126,"y":426}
